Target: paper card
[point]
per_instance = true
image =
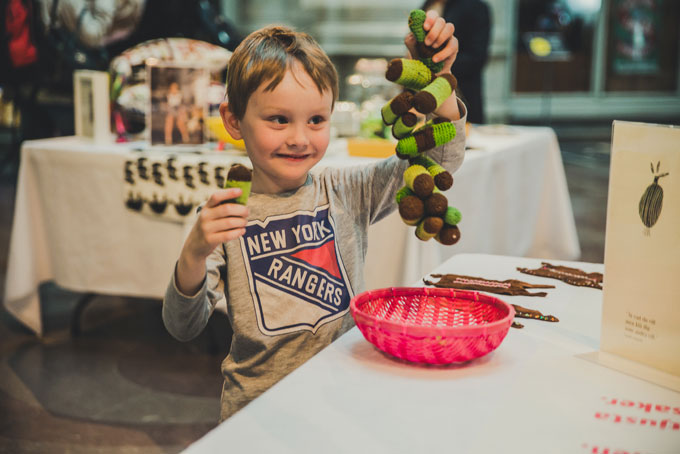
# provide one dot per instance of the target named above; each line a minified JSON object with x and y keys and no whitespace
{"x":91,"y":105}
{"x":641,"y":299}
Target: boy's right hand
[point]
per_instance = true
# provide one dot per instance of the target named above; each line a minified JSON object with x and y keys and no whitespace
{"x":218,"y":222}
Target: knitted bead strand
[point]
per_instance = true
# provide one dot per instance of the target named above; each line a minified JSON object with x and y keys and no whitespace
{"x":421,"y":202}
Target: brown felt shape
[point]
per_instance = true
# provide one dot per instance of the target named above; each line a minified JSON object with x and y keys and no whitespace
{"x":411,"y":208}
{"x":239,"y":172}
{"x":394,"y":69}
{"x":423,"y":185}
{"x":402,"y":103}
{"x":433,"y":224}
{"x":436,"y":204}
{"x":409,"y":119}
{"x":448,"y":235}
{"x":424,"y":102}
{"x":443,"y":180}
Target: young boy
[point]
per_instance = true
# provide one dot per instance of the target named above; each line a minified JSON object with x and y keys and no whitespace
{"x":288,"y":264}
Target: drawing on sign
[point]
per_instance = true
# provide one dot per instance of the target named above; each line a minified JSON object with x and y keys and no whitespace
{"x":652,"y":200}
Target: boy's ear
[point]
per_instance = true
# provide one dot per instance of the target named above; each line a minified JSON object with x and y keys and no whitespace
{"x":230,"y":122}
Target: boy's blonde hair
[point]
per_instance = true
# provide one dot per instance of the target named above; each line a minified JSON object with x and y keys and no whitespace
{"x":266,"y":54}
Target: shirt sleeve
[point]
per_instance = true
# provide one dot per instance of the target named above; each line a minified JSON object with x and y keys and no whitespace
{"x":186,"y":316}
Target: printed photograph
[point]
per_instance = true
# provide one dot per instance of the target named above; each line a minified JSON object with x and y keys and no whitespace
{"x":178,"y":103}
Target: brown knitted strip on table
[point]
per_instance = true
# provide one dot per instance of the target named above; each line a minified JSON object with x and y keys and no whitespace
{"x":510,"y":287}
{"x":571,"y":276}
{"x":523,"y":312}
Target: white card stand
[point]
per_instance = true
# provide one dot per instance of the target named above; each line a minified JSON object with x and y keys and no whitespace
{"x":91,"y":105}
{"x":641,"y":296}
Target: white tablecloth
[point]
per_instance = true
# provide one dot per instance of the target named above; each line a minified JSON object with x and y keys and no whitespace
{"x":71,"y":224}
{"x":534,"y":394}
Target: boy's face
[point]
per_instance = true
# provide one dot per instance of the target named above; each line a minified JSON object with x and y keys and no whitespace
{"x":286,"y":131}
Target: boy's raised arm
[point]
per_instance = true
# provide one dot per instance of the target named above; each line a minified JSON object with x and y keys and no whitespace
{"x":217,"y":223}
{"x":439,"y":32}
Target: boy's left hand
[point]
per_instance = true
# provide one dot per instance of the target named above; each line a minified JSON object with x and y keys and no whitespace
{"x":438,"y":32}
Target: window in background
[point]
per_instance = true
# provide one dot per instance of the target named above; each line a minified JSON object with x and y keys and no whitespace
{"x":554,"y":50}
{"x":642,"y":45}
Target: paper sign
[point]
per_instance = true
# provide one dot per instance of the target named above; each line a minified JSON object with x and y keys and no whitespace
{"x":641,"y":299}
{"x":91,"y":105}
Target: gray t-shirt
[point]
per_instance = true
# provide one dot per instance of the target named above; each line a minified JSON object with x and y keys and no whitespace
{"x":288,"y":281}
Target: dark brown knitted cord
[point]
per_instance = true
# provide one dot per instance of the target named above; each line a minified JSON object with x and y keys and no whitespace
{"x":572,"y":276}
{"x":508,"y":287}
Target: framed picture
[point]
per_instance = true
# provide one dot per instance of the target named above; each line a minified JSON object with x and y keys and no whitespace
{"x":178,"y":103}
{"x":91,"y":105}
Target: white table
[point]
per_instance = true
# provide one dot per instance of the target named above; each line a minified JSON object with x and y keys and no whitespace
{"x":531,"y":395}
{"x":71,"y":225}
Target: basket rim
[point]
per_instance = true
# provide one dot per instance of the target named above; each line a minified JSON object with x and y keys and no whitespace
{"x":426,"y":331}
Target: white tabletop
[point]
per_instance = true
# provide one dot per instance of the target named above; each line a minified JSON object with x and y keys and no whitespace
{"x":534,"y":394}
{"x":71,"y":224}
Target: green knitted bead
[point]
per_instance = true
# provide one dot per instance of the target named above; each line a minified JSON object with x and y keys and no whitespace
{"x":431,"y":97}
{"x":428,"y":228}
{"x":404,"y":125}
{"x":443,"y":133}
{"x":412,"y":74}
{"x":452,"y":216}
{"x":407,"y":147}
{"x":403,"y":192}
{"x":239,"y":176}
{"x":425,"y":139}
{"x":416,"y":19}
{"x":388,"y":116}
{"x":442,"y":178}
{"x":429,"y":164}
{"x":397,"y":106}
{"x":245,"y":187}
{"x":411,"y":173}
{"x":419,"y":180}
{"x":432,"y":122}
{"x":434,"y":67}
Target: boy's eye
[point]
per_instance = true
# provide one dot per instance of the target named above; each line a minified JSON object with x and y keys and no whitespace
{"x":278,"y":119}
{"x":317,"y":119}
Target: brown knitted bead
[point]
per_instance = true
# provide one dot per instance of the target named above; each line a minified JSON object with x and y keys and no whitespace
{"x":423,"y":185}
{"x":443,"y":180}
{"x":436,"y":204}
{"x":411,"y":209}
{"x":239,"y":172}
{"x":433,"y":224}
{"x":448,"y":235}
{"x":401,"y":103}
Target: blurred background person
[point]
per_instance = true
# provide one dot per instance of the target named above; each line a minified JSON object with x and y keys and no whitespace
{"x":472,"y":19}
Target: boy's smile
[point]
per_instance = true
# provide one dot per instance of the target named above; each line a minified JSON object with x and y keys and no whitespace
{"x":286,"y":131}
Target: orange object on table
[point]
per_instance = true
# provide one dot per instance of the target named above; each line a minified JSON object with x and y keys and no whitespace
{"x":370,"y":148}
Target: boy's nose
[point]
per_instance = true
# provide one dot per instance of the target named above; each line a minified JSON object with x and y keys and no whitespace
{"x":297,"y":138}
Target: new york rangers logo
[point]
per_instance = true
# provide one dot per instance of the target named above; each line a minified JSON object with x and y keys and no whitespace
{"x":296,"y":276}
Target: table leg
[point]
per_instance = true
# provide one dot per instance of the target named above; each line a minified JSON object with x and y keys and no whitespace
{"x":78,"y":312}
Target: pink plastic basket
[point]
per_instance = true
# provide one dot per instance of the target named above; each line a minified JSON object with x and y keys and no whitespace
{"x":432,"y":325}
